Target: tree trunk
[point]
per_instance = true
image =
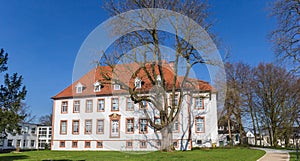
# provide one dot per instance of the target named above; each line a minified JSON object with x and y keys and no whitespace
{"x":167,"y":139}
{"x":229,"y":131}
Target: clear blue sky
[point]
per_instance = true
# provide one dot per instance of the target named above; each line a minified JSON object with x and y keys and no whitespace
{"x":43,"y":37}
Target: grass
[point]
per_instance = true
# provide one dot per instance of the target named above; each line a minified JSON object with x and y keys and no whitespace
{"x":293,"y":156}
{"x":235,"y":154}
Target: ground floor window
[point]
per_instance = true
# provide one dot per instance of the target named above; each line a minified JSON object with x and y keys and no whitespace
{"x":42,"y":143}
{"x":62,"y":144}
{"x":9,"y":142}
{"x":32,"y":142}
{"x":1,"y":142}
{"x":87,"y":144}
{"x":99,"y":144}
{"x":143,"y":144}
{"x":129,"y":144}
{"x":74,"y":144}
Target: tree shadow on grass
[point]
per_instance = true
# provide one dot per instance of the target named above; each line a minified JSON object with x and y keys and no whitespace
{"x":11,"y":158}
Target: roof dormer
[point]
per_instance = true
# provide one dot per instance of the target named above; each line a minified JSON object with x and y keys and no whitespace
{"x":97,"y":86}
{"x":138,"y":83}
{"x":79,"y":87}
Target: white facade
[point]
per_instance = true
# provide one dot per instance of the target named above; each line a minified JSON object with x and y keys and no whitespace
{"x":28,"y":138}
{"x":78,"y":123}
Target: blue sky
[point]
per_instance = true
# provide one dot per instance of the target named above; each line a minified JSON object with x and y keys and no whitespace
{"x":43,"y":37}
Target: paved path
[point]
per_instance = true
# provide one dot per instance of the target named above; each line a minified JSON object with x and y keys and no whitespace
{"x":274,"y":155}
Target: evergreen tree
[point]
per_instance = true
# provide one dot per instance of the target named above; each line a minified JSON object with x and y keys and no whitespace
{"x":12,"y":93}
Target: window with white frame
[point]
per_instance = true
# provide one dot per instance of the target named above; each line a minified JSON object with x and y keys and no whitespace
{"x":199,"y":124}
{"x":75,"y":126}
{"x":100,"y":126}
{"x":101,"y":105}
{"x":97,"y":86}
{"x":1,"y":142}
{"x":199,"y":103}
{"x":79,"y":88}
{"x":115,"y":104}
{"x":76,"y":106}
{"x":63,"y":128}
{"x":176,"y":126}
{"x":117,"y":86}
{"x":143,"y":126}
{"x":89,"y":106}
{"x":64,"y":107}
{"x":143,"y":144}
{"x":130,"y":125}
{"x":129,"y":105}
{"x":88,"y":127}
{"x":138,"y":83}
{"x":114,"y":128}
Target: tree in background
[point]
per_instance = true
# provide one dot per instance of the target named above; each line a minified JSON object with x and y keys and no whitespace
{"x":46,"y":120}
{"x":12,"y":93}
{"x":286,"y":37}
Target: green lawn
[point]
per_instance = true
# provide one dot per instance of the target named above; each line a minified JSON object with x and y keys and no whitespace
{"x":236,"y":154}
{"x":293,"y":157}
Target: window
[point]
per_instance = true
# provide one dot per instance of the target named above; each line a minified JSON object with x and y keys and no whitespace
{"x":89,"y":106}
{"x":129,"y":144}
{"x":138,"y":83}
{"x":87,"y":144}
{"x":18,"y":143}
{"x":32,"y":143}
{"x":75,"y":127}
{"x":143,"y":126}
{"x":64,"y":107}
{"x":33,"y":130}
{"x":117,"y":86}
{"x":199,"y":142}
{"x":199,"y":103}
{"x":175,"y":99}
{"x":115,"y":128}
{"x":9,"y":142}
{"x":62,"y":144}
{"x":199,"y":124}
{"x":99,"y":144}
{"x":175,"y":144}
{"x":100,"y":126}
{"x":24,"y":143}
{"x":76,"y":106}
{"x":176,"y":126}
{"x":42,"y":144}
{"x":63,"y":127}
{"x":144,"y":105}
{"x":42,"y":132}
{"x":143,"y":144}
{"x":115,"y":104}
{"x":88,"y":127}
{"x":1,"y":142}
{"x":157,"y":120}
{"x":74,"y":144}
{"x":101,"y":105}
{"x":158,"y":79}
{"x":158,"y":143}
{"x":50,"y":132}
{"x":97,"y":87}
{"x":129,"y":105}
{"x":129,"y":125}
{"x":79,"y":88}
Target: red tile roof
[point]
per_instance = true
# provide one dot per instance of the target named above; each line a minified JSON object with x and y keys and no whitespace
{"x":125,"y":73}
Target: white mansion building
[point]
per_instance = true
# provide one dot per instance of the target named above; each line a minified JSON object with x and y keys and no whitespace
{"x":91,"y":115}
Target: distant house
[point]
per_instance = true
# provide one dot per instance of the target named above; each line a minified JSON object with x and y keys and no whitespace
{"x":29,"y":138}
{"x":92,"y":115}
{"x":262,"y":140}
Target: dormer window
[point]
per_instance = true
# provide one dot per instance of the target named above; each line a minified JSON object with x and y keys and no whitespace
{"x":79,"y":88}
{"x":138,"y":83}
{"x":117,"y":86}
{"x":158,"y":79}
{"x":97,"y":87}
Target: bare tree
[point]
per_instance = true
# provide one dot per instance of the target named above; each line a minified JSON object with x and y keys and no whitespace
{"x":276,"y":98}
{"x":46,"y":120}
{"x":169,"y":85}
{"x":286,"y":37}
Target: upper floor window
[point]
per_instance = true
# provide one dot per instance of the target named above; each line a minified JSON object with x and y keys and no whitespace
{"x":176,"y":126}
{"x":138,"y":83}
{"x":158,"y":79}
{"x":63,"y":127}
{"x":143,"y":126}
{"x":75,"y":127}
{"x":129,"y":105}
{"x":130,"y":125}
{"x":89,"y":106}
{"x":100,"y":126}
{"x":79,"y":88}
{"x":199,"y":124}
{"x":88,"y":127}
{"x":199,"y":104}
{"x":64,"y":107}
{"x":101,"y":105}
{"x":97,"y":87}
{"x":76,"y":106}
{"x":117,"y":86}
{"x":143,"y":105}
{"x":33,"y":130}
{"x":115,"y":104}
